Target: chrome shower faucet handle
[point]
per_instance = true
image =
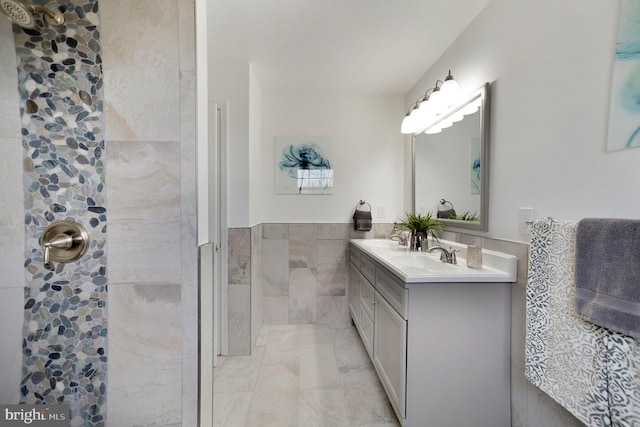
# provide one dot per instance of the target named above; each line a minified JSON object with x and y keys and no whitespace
{"x":64,"y":241}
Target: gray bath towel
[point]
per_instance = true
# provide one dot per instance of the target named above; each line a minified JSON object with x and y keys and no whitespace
{"x":362,"y":220}
{"x":608,"y":273}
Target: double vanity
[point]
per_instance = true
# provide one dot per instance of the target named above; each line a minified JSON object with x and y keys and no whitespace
{"x":438,"y":334}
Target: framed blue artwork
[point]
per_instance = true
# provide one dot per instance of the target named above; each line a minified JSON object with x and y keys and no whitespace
{"x":304,"y":164}
{"x":624,"y":106}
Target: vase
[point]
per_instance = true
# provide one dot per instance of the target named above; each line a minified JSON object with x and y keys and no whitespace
{"x":419,"y":241}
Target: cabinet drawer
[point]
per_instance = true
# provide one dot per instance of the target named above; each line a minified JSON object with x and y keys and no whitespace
{"x":392,"y":291}
{"x":368,"y":269}
{"x":367,"y":296}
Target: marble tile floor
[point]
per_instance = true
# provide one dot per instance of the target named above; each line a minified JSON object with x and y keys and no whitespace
{"x":301,"y":376}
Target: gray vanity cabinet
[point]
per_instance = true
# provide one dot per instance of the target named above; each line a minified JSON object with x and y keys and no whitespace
{"x":390,"y":352}
{"x":441,"y":350}
{"x":383,"y":331}
{"x":354,"y":292}
{"x":361,"y":305}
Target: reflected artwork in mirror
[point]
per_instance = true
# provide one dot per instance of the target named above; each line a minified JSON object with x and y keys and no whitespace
{"x":450,"y":167}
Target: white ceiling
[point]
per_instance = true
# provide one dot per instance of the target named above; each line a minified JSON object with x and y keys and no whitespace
{"x":361,"y":46}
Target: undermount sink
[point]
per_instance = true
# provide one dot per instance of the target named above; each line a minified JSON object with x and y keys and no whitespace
{"x":423,"y":267}
{"x":419,"y":262}
{"x":383,"y":243}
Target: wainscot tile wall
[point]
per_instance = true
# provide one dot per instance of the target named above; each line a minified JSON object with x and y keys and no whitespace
{"x":244,"y":292}
{"x":305,"y":271}
{"x":304,"y":280}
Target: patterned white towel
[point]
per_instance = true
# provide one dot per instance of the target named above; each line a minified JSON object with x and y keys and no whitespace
{"x":591,"y":371}
{"x":564,"y":355}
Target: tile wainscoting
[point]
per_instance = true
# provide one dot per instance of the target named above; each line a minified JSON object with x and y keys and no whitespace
{"x":303,"y":277}
{"x":287,"y":274}
{"x":305,"y":271}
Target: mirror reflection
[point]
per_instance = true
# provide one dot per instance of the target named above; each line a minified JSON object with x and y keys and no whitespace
{"x":451,"y":170}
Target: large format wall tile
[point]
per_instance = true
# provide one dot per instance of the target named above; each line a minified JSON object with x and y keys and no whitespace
{"x":332,"y":281}
{"x":145,"y":370}
{"x":239,"y":324}
{"x":10,"y":106}
{"x":11,"y":319}
{"x":275,"y":310}
{"x":188,"y":143}
{"x":275,"y":231}
{"x":303,"y":253}
{"x":257,"y":318}
{"x":239,"y":262}
{"x":275,"y":267}
{"x":144,"y":228}
{"x":11,"y":214}
{"x":333,"y":253}
{"x":141,"y":69}
{"x":305,"y":273}
{"x":187,"y":36}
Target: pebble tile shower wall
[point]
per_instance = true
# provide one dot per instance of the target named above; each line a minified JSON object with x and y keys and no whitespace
{"x":65,"y":323}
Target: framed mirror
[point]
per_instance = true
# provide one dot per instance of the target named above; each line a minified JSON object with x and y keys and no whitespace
{"x":450,"y":167}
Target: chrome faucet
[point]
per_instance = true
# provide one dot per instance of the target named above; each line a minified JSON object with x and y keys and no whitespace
{"x":400,"y":235}
{"x":448,"y":256}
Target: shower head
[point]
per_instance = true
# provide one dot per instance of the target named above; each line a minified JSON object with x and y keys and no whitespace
{"x":22,"y":14}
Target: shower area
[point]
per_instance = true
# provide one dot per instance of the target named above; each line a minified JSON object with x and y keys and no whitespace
{"x":97,"y":126}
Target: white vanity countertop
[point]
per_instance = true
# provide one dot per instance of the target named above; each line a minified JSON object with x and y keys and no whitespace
{"x":422,"y":267}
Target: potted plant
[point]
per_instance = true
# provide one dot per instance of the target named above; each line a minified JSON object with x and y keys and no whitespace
{"x":421,"y":227}
{"x":466,"y":216}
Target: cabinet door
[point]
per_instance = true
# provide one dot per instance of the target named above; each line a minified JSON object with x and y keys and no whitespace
{"x":354,"y":294}
{"x":390,"y":352}
{"x":367,"y":329}
{"x":367,"y":295}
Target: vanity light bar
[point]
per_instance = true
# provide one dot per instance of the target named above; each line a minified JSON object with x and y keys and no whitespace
{"x":434,"y":108}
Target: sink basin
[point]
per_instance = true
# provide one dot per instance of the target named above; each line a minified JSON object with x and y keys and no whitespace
{"x":381,"y":243}
{"x":417,"y":262}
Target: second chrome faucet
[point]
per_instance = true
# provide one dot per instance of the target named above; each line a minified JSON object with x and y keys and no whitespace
{"x":448,"y":256}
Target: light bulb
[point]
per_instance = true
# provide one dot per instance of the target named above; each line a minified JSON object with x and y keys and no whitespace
{"x":433,"y":129}
{"x":445,"y":123}
{"x":436,"y":101}
{"x":456,"y":117}
{"x":450,"y":91}
{"x":407,"y":125}
{"x":472,"y":107}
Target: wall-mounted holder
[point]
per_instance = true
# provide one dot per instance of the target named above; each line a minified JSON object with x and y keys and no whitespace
{"x":64,"y":241}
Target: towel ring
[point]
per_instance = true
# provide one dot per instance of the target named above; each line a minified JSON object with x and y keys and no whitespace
{"x":361,"y":203}
{"x":445,"y":212}
{"x":444,"y":202}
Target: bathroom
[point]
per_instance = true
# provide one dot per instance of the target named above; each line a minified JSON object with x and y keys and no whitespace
{"x":550,"y":68}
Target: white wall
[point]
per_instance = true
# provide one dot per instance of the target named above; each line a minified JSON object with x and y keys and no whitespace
{"x":550,"y":65}
{"x":367,"y":150}
{"x":255,"y":149}
{"x":230,"y":85}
